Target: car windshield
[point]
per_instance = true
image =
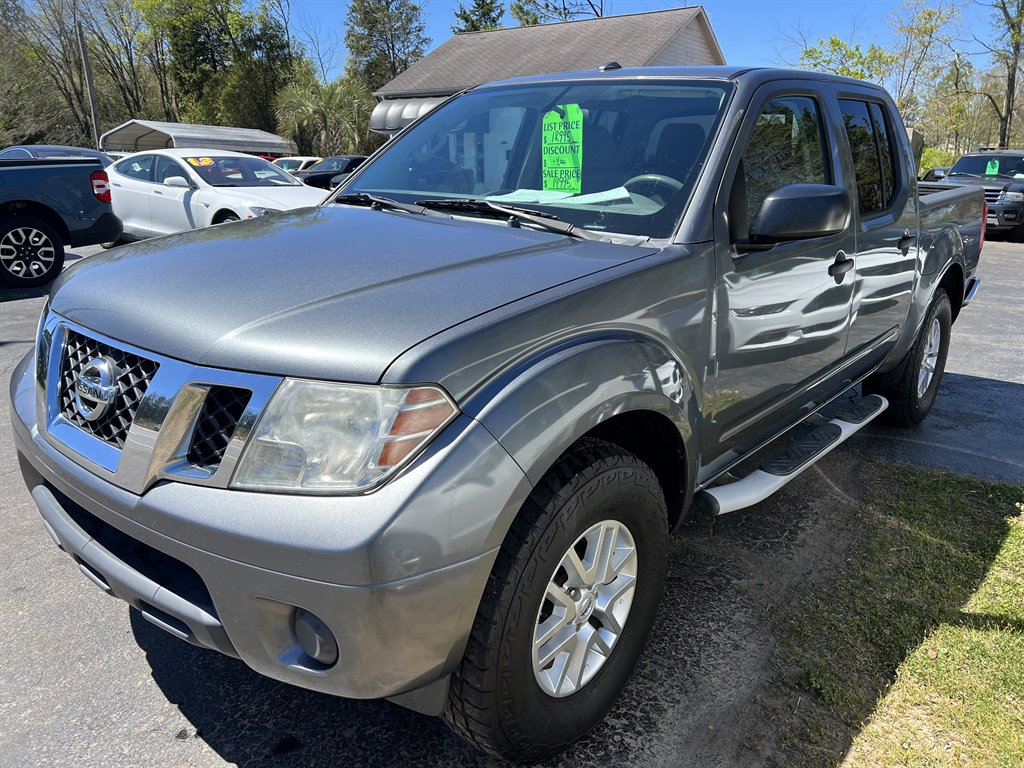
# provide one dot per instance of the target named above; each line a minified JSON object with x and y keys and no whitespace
{"x":620,"y":156}
{"x":288,"y":164}
{"x":330,"y":164}
{"x":989,"y":164}
{"x":239,"y":172}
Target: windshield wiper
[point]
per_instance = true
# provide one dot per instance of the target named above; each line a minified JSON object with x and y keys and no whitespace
{"x":965,"y":173}
{"x":379,"y":203}
{"x":515,"y":214}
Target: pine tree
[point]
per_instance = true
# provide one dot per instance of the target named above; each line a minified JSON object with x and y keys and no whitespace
{"x":481,"y":15}
{"x":383,"y":38}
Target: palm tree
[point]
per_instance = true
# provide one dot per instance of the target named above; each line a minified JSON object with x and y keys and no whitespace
{"x":328,"y":119}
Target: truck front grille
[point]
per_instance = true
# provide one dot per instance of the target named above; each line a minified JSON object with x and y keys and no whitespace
{"x":991,"y":195}
{"x":133,"y":378}
{"x":216,"y":424}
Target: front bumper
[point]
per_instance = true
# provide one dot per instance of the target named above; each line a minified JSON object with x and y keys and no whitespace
{"x":396,"y":575}
{"x":1003,"y":216}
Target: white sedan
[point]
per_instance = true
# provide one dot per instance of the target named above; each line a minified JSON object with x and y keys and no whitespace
{"x":169,"y":190}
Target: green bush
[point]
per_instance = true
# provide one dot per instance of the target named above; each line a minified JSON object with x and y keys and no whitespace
{"x":934,"y":158}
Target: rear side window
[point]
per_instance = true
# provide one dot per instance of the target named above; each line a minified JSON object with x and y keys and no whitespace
{"x":873,"y":154}
{"x":139,"y":167}
{"x":785,"y":147}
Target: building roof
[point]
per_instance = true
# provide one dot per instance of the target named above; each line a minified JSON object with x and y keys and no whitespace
{"x":471,"y":58}
{"x":137,"y":135}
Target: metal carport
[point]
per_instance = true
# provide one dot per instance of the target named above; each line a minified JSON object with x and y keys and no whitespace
{"x":139,"y":135}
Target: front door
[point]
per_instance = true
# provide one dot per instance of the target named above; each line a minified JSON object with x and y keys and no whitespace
{"x":781,"y":318}
{"x":170,"y":208}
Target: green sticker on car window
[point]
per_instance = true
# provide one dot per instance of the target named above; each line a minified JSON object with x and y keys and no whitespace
{"x":992,"y":169}
{"x":562,"y":149}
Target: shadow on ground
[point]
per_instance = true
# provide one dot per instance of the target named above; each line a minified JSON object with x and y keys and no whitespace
{"x":735,"y":673}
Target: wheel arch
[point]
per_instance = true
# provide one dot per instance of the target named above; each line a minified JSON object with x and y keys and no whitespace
{"x":629,"y":390}
{"x":39,"y":210}
{"x":218,"y":217}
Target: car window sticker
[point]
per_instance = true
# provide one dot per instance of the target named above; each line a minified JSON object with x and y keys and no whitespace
{"x":562,"y":149}
{"x":199,"y":162}
{"x":992,"y":169}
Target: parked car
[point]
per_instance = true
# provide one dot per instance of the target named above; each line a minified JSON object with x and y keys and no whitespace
{"x":427,"y":441}
{"x":292,"y":164}
{"x":1000,"y":173}
{"x":324,"y":173}
{"x":46,"y":205}
{"x":169,"y":190}
{"x":25,"y":151}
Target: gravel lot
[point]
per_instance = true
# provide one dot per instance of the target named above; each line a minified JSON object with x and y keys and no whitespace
{"x":86,"y":682}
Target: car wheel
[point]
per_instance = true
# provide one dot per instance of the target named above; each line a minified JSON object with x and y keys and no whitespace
{"x":567,"y":609}
{"x":224,"y":218}
{"x":31,"y":252}
{"x":112,"y":244}
{"x":912,"y":395}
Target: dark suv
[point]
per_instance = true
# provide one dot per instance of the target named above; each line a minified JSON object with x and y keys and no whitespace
{"x":1001,"y":173}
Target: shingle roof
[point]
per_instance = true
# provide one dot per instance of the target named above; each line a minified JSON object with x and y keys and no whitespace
{"x":472,"y":58}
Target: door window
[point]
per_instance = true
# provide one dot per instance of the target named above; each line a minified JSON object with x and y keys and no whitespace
{"x":787,"y":146}
{"x":136,"y":167}
{"x":165,"y":168}
{"x":872,"y":151}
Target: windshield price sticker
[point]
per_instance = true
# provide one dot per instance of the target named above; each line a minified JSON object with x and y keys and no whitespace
{"x":199,"y":162}
{"x":562,"y":149}
{"x":992,"y":169}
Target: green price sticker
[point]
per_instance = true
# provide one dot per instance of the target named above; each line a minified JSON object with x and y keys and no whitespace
{"x":562,"y":149}
{"x":992,"y":169}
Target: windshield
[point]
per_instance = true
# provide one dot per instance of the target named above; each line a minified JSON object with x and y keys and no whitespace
{"x":288,"y":164}
{"x":989,"y":164}
{"x":240,"y":172}
{"x":619,"y":156}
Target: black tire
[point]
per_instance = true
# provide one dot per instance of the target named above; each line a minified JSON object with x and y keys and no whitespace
{"x":112,"y":244}
{"x":495,"y":700}
{"x":224,"y":218}
{"x":31,"y":252}
{"x":907,"y":406}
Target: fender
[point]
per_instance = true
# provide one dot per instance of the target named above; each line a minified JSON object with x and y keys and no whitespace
{"x":944,"y":252}
{"x":550,"y":402}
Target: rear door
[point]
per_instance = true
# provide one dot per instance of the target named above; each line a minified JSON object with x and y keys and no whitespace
{"x":781,"y":319}
{"x":170,"y":208}
{"x":885,"y":206}
{"x":130,"y":186}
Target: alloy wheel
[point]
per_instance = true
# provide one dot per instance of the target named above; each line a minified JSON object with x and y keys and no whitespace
{"x":26,"y":252}
{"x":930,"y":358}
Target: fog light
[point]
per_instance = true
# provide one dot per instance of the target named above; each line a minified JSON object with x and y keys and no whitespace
{"x":315,"y":639}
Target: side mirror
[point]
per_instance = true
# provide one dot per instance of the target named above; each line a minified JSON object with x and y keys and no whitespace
{"x":177,"y":181}
{"x":939,"y":173}
{"x":801,"y":212}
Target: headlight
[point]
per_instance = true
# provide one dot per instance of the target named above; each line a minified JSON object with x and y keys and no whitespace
{"x":1011,"y":197}
{"x":334,"y":438}
{"x":255,"y":211}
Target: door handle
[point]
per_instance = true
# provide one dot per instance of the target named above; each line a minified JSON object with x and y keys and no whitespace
{"x":904,"y":244}
{"x":841,"y":266}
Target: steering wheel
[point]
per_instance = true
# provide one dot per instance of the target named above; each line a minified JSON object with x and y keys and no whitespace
{"x":655,"y":180}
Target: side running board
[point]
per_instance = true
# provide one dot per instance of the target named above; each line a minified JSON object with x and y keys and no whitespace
{"x":777,"y":471}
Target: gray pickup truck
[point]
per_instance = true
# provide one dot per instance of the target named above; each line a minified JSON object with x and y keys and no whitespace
{"x":428,"y":440}
{"x":45,"y":205}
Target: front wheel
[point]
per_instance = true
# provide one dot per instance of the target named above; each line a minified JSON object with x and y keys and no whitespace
{"x":912,"y":395}
{"x":31,"y":252}
{"x":567,"y":609}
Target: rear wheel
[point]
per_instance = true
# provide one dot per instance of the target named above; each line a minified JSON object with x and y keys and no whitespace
{"x":31,"y":252}
{"x":912,"y":395}
{"x":567,"y":609}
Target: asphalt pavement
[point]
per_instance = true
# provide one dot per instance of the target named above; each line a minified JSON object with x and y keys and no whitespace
{"x":85,"y":681}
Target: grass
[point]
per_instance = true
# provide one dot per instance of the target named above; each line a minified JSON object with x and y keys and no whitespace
{"x":914,"y":654}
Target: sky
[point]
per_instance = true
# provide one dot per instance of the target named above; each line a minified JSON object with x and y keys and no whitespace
{"x":750,"y":32}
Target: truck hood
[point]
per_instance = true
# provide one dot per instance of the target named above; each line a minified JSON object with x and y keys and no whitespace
{"x":332,"y":293}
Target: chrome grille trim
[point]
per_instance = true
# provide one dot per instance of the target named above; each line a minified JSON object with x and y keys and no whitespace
{"x":156,"y":444}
